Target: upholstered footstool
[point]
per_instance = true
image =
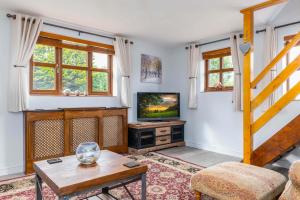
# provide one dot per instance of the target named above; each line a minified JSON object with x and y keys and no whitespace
{"x":238,"y":181}
{"x":292,"y":188}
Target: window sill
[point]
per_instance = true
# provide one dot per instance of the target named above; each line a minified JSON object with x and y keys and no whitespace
{"x":55,"y":95}
{"x":208,"y":91}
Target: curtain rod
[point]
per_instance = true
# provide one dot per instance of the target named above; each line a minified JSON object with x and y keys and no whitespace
{"x":280,"y":26}
{"x":258,"y":31}
{"x":221,"y":40}
{"x":72,"y":29}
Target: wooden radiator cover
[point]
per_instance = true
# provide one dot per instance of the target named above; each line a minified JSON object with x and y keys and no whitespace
{"x":56,"y":133}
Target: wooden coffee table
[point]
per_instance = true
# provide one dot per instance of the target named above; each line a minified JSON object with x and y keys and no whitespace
{"x":69,"y":178}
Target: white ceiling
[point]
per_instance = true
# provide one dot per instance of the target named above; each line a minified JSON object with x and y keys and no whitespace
{"x":163,"y":21}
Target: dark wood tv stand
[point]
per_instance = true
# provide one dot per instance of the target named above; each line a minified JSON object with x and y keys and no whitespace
{"x":144,"y":137}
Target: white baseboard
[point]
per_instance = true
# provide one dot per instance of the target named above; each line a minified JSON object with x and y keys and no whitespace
{"x":230,"y":152}
{"x":11,"y":170}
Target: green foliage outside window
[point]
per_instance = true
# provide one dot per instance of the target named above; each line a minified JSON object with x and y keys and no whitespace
{"x":100,"y":81}
{"x":74,"y":80}
{"x":214,"y":64}
{"x":44,"y":77}
{"x":74,"y":57}
{"x":228,"y":79}
{"x":44,"y":54}
{"x":227,"y":62}
{"x":213,"y":79}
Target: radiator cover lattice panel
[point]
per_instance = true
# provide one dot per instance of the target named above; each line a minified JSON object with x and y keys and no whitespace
{"x":48,"y":139}
{"x":112,"y":131}
{"x":84,"y":130}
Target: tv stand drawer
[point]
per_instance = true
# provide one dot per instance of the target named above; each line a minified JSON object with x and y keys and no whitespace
{"x":162,"y":131}
{"x":163,"y":140}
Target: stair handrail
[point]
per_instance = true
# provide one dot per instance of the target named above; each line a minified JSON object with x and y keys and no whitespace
{"x":277,"y":58}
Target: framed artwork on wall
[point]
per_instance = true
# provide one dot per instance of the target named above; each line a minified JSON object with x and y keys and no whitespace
{"x":151,"y":69}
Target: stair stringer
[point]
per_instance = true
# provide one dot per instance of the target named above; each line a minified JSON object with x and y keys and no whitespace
{"x":278,"y":144}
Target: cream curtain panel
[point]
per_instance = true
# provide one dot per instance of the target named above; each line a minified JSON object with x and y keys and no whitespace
{"x":123,"y":56}
{"x":237,"y":61}
{"x":193,"y":69}
{"x":25,"y":32}
{"x":270,"y":50}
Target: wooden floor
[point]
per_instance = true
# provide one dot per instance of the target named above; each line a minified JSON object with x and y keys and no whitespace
{"x":198,"y":156}
{"x":207,"y":158}
{"x":283,"y":164}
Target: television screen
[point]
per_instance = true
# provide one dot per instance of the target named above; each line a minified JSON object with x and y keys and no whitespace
{"x":158,"y":106}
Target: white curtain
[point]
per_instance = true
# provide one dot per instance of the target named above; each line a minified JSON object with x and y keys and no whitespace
{"x":237,"y":61}
{"x":123,"y":56}
{"x":270,"y":53}
{"x":25,"y":32}
{"x":193,"y":68}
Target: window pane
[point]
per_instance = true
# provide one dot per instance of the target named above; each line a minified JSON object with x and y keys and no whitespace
{"x":214,"y":64}
{"x":43,"y":78}
{"x":228,"y":78}
{"x":100,"y":81}
{"x":100,"y":60}
{"x":213,"y":79}
{"x":44,"y":54}
{"x":74,"y":57}
{"x":227,"y":62}
{"x":74,"y":80}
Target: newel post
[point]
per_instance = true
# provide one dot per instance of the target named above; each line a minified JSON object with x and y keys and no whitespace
{"x":247,"y":95}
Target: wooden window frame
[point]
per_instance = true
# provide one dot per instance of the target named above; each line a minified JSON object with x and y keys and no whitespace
{"x":287,"y":39}
{"x":56,"y":41}
{"x":220,"y":53}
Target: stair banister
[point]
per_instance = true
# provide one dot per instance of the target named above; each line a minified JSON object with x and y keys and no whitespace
{"x":277,"y":58}
{"x":247,"y":75}
{"x":274,"y":109}
{"x":274,"y":84}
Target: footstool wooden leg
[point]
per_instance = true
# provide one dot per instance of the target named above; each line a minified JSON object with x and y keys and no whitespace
{"x":198,"y":195}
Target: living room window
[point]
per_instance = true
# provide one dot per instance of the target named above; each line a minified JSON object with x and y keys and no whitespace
{"x":219,"y":74}
{"x":62,"y":65}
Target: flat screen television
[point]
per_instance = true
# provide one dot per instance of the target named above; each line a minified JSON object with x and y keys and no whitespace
{"x":153,"y":106}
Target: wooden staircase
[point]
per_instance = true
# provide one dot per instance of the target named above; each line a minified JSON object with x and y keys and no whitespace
{"x":278,"y":144}
{"x":288,"y":136}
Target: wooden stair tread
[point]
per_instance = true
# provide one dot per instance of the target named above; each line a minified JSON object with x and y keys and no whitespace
{"x":278,"y":144}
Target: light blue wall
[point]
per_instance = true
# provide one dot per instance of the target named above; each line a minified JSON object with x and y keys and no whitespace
{"x":215,"y":126}
{"x":11,"y":124}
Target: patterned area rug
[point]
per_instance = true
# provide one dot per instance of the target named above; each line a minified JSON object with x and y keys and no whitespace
{"x":167,"y":179}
